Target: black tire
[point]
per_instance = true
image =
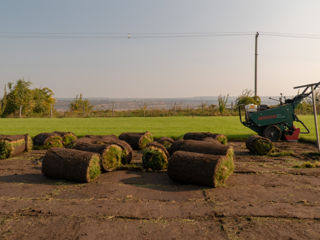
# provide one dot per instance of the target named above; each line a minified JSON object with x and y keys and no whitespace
{"x":272,"y":132}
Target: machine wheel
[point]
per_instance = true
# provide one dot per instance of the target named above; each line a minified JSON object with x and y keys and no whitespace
{"x":273,"y":132}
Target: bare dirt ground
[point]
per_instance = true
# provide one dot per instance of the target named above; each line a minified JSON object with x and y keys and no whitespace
{"x":266,"y":198}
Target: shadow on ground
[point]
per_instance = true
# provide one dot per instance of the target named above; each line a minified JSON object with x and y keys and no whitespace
{"x":158,"y":181}
{"x":33,"y":179}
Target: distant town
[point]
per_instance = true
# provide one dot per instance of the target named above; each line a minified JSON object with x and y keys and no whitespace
{"x":123,"y":104}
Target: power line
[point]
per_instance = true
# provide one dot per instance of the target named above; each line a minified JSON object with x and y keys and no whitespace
{"x":154,"y":35}
{"x":49,"y":35}
{"x":194,"y":35}
{"x":291,"y":35}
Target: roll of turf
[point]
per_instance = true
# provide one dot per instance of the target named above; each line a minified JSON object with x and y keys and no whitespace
{"x":205,"y":136}
{"x":28,"y":142}
{"x":166,"y":142}
{"x":68,"y":138}
{"x":101,"y":136}
{"x":206,"y":147}
{"x":259,"y":145}
{"x":70,"y":164}
{"x":12,"y":145}
{"x":137,"y":140}
{"x":110,"y":154}
{"x":200,"y":169}
{"x":48,"y":140}
{"x":110,"y":139}
{"x":155,"y":156}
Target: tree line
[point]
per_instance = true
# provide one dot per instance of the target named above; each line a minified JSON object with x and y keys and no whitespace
{"x":20,"y":100}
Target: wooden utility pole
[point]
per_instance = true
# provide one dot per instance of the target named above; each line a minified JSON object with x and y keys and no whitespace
{"x":112,"y":109}
{"x":256,"y":65}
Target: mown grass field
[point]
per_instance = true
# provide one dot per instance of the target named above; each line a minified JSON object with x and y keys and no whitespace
{"x":159,"y":126}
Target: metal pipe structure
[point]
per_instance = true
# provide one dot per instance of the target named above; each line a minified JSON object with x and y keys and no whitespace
{"x":315,"y":115}
{"x":313,"y":87}
{"x":256,"y":66}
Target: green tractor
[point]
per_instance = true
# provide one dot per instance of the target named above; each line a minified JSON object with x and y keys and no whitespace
{"x":276,"y":122}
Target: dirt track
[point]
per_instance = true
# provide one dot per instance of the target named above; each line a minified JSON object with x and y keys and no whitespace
{"x":266,"y":198}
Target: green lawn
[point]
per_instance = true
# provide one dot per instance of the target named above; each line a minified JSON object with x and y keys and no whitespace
{"x":159,"y":126}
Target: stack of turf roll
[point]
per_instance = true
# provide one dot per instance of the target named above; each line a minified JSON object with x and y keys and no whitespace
{"x":48,"y":140}
{"x":110,"y":139}
{"x":70,"y":164}
{"x":206,"y":136}
{"x":155,"y":156}
{"x":259,"y":145}
{"x":13,"y":145}
{"x":137,"y":140}
{"x":110,"y":154}
{"x":207,"y":163}
{"x":207,"y":147}
{"x":68,"y":138}
{"x":166,"y":142}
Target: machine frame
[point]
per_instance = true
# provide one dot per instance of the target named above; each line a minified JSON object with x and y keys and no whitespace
{"x":277,"y":122}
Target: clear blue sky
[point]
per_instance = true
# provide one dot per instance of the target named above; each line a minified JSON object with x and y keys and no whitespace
{"x":160,"y":67}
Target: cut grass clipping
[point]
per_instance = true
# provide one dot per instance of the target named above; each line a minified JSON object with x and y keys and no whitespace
{"x":11,"y":145}
{"x":72,"y":165}
{"x":308,"y":164}
{"x":206,"y":136}
{"x":110,"y":154}
{"x":278,"y":153}
{"x":259,"y":145}
{"x":155,"y":156}
{"x":201,"y":169}
{"x":137,"y":140}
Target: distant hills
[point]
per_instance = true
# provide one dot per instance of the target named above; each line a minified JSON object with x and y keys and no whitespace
{"x":122,"y":104}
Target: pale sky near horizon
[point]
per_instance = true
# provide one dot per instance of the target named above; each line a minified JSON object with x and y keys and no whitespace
{"x":160,"y":67}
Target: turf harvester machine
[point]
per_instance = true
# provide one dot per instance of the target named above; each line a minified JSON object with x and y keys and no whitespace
{"x":276,"y":122}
